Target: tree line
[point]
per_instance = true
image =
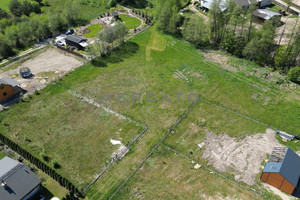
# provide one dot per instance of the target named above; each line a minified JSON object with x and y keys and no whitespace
{"x":41,"y":165}
{"x":233,"y":30}
{"x":23,"y":27}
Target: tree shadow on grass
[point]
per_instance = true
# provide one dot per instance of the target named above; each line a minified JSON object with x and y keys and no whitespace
{"x":118,"y":55}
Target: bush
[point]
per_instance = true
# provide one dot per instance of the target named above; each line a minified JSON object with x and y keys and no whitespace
{"x":294,"y":75}
{"x":44,"y":155}
{"x":36,"y":92}
{"x":55,"y":164}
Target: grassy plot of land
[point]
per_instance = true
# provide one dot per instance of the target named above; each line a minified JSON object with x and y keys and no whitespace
{"x":74,"y":133}
{"x":4,"y":4}
{"x":2,"y":155}
{"x":130,"y":22}
{"x":129,"y":71}
{"x":52,"y":187}
{"x":166,"y":175}
{"x":94,"y":30}
{"x":88,"y":9}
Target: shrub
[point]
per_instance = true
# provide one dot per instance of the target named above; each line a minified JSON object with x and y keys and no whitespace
{"x":44,"y":155}
{"x":55,"y":164}
{"x":36,"y":92}
{"x":294,"y":75}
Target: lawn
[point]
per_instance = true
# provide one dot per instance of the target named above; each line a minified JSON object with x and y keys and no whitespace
{"x":94,"y":30}
{"x":2,"y":154}
{"x":74,"y":133}
{"x":130,"y":22}
{"x":4,"y":4}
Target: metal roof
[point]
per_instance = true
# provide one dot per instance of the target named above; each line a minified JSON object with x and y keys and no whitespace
{"x":75,"y":39}
{"x":288,"y":167}
{"x":208,"y":3}
{"x":246,"y":2}
{"x":265,"y":13}
{"x":9,"y":81}
{"x":19,"y":180}
{"x":7,"y":164}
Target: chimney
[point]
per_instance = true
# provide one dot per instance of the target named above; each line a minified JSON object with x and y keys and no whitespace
{"x":3,"y":183}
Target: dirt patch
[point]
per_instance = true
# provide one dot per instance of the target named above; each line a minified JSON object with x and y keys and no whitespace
{"x":215,"y":56}
{"x":46,"y":67}
{"x":243,"y":157}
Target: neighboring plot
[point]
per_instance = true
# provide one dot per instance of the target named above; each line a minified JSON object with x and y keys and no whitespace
{"x":167,"y":175}
{"x":74,"y":133}
{"x":130,"y":22}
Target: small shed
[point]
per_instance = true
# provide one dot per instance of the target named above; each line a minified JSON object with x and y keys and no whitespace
{"x":76,"y":41}
{"x":8,"y":88}
{"x":282,"y":170}
{"x":265,"y":14}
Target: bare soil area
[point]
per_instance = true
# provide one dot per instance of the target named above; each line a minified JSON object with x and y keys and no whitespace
{"x":45,"y":67}
{"x":242,"y":158}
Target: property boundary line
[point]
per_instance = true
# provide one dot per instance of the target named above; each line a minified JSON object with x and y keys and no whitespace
{"x":211,"y":170}
{"x":183,"y":116}
{"x":106,"y":109}
{"x":248,"y":81}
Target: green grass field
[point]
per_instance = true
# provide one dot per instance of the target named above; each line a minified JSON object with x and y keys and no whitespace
{"x":94,"y":30}
{"x":74,"y":133}
{"x":4,"y":4}
{"x":146,"y":64}
{"x":130,"y":22}
{"x":166,"y":175}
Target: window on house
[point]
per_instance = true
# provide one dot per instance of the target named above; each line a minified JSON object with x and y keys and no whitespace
{"x":4,"y":94}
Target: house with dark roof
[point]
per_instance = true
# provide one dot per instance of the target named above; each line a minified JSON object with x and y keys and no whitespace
{"x":282,"y":170}
{"x":17,"y":181}
{"x":76,"y":41}
{"x":8,"y":88}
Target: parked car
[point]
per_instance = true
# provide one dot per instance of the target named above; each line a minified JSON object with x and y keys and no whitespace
{"x":60,"y":43}
{"x":25,"y":72}
{"x":70,"y":32}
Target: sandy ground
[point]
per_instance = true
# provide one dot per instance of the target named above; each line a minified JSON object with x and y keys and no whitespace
{"x":242,"y":158}
{"x":278,"y":192}
{"x":49,"y":64}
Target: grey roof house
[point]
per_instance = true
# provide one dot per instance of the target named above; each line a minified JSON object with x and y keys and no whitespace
{"x":17,"y":181}
{"x":76,"y":41}
{"x":282,"y":170}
